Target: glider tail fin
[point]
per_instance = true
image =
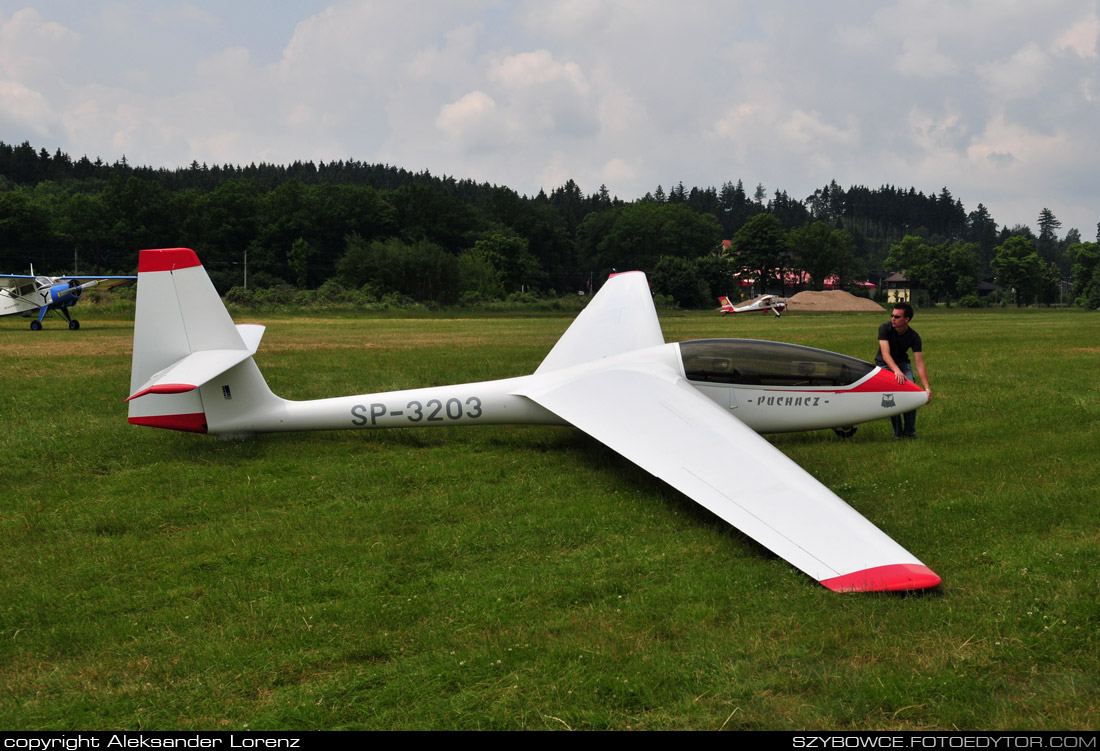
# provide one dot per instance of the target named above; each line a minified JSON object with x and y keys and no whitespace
{"x":192,"y":368}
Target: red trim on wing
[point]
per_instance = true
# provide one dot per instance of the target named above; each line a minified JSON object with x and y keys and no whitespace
{"x":167,"y":259}
{"x":192,"y":423}
{"x":893,"y":578}
{"x":164,"y":388}
{"x":620,"y":273}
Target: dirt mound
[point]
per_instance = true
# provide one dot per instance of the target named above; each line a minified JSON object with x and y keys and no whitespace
{"x":832,"y":301}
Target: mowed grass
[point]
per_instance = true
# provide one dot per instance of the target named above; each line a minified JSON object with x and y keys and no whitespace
{"x":527,"y":577}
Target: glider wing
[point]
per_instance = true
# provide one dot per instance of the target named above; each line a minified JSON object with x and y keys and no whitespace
{"x":654,"y":418}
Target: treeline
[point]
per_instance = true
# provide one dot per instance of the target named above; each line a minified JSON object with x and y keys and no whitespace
{"x":384,"y":230}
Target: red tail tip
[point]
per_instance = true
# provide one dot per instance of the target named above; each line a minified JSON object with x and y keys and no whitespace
{"x":167,"y":259}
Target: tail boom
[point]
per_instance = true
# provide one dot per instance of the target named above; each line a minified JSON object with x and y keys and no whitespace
{"x":193,"y":371}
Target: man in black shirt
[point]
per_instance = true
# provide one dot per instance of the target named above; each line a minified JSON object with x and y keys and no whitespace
{"x":895,"y":339}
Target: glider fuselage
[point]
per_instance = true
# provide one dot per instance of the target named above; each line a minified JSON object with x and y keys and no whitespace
{"x":777,"y":388}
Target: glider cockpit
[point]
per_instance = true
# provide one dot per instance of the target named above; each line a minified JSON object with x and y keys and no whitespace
{"x":751,"y":362}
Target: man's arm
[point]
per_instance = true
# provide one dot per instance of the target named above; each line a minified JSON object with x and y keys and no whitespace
{"x":918,"y":358}
{"x":884,"y":348}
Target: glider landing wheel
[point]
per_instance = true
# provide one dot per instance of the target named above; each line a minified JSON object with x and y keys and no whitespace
{"x":846,"y":432}
{"x":74,"y":325}
{"x":36,"y":326}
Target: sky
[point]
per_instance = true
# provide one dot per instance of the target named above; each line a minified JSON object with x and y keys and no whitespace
{"x":997,"y":100}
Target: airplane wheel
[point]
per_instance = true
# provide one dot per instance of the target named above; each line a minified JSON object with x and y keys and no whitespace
{"x":36,"y":326}
{"x":846,"y":432}
{"x":74,"y":325}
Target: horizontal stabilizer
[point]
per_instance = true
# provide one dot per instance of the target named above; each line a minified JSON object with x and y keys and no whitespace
{"x":251,"y":334}
{"x":197,"y":368}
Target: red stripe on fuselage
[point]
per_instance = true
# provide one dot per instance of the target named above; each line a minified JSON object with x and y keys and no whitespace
{"x":192,"y":423}
{"x":166,"y":259}
{"x":882,"y":381}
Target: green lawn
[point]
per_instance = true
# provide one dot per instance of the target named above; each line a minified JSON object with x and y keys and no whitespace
{"x":527,"y":577}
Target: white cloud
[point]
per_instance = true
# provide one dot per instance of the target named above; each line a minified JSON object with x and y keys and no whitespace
{"x":472,"y":122}
{"x":534,"y":68}
{"x":1021,"y":75}
{"x":185,"y":13}
{"x":25,"y":109}
{"x":630,"y":93}
{"x":1081,"y":37}
{"x":34,"y":48}
{"x":454,"y":60}
{"x":921,"y":58}
{"x":936,"y":134}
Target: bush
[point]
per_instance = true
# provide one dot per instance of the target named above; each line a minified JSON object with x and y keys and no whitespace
{"x":971,"y":301}
{"x":329,"y":292}
{"x":239,"y":296}
{"x":665,"y":302}
{"x":1094,"y":297}
{"x":283,"y":294}
{"x":526,"y":298}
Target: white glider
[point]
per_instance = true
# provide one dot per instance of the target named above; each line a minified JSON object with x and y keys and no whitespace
{"x":688,"y":413}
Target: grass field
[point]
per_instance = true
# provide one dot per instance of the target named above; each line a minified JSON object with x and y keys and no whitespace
{"x":527,"y":577}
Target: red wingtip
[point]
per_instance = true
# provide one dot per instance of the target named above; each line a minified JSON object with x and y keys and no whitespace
{"x":167,"y":259}
{"x":897,"y":577}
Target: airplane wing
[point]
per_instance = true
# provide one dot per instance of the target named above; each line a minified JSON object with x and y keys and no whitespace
{"x":621,"y":318}
{"x":657,"y":420}
{"x":102,"y":282}
{"x":117,"y":280}
{"x":11,"y":281}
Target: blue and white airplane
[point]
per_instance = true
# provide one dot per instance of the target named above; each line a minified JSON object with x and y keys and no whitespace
{"x":34,"y":296}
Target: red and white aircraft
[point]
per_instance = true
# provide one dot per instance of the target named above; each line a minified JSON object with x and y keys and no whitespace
{"x":763,"y":304}
{"x":688,"y":413}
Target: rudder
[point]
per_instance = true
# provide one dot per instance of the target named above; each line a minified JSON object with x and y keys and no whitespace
{"x":183,"y":338}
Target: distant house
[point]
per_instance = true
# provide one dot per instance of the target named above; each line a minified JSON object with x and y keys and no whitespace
{"x":793,"y":279}
{"x":986,"y":287}
{"x":897,"y":288}
{"x":900,"y":289}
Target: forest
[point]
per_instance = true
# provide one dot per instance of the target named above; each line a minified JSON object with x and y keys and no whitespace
{"x":380,"y":230}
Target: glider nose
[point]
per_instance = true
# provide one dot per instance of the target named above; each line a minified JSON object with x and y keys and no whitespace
{"x":885,"y":381}
{"x":897,"y":397}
